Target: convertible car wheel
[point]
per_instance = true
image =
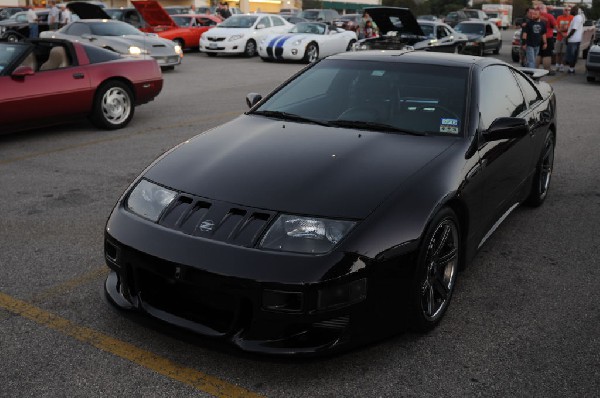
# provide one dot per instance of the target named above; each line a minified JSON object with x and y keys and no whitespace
{"x":113,"y":106}
{"x":250,"y":49}
{"x":13,"y":37}
{"x":349,"y":48}
{"x":497,"y":49}
{"x":311,"y":54}
{"x":543,"y":173}
{"x":436,"y":271}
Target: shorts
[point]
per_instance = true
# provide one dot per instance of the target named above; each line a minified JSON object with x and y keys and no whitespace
{"x":560,"y":47}
{"x":547,"y":52}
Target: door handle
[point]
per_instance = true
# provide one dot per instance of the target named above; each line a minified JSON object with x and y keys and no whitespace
{"x":78,"y":75}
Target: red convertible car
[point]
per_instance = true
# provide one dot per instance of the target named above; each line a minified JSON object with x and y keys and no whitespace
{"x":51,"y":81}
{"x":184,"y":29}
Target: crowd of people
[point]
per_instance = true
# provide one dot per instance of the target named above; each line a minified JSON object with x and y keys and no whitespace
{"x":540,"y":47}
{"x":57,"y":18}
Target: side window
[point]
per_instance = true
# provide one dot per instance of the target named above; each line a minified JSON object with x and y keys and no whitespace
{"x":277,"y":21}
{"x":499,"y":95}
{"x":78,"y":29}
{"x":488,"y":30}
{"x":264,"y":21}
{"x":448,"y":32}
{"x":441,"y":33}
{"x":530,"y":92}
{"x":21,"y":18}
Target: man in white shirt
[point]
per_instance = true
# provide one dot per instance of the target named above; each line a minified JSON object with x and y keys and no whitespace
{"x":574,"y":39}
{"x":53,"y":16}
{"x":32,"y":20}
{"x":65,"y":16}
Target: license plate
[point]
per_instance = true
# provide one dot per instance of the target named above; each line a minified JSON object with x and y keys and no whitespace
{"x":160,"y":60}
{"x":212,"y":45}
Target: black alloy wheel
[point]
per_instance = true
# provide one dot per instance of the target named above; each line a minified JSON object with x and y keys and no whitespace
{"x":250,"y":49}
{"x":436,"y":271}
{"x":543,"y":173}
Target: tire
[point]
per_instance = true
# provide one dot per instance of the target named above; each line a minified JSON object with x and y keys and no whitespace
{"x":311,"y":54}
{"x":585,"y":52}
{"x":250,"y":49}
{"x":13,"y":37}
{"x":590,"y":79}
{"x":497,"y":49}
{"x":436,"y":271}
{"x":266,"y":59}
{"x":543,"y":174}
{"x":164,"y":68}
{"x":480,"y":51}
{"x":514,"y":56}
{"x":113,"y":106}
{"x":350,"y":45}
{"x":211,"y":54}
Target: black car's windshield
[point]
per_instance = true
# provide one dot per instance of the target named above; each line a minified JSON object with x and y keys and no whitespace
{"x":239,"y":21}
{"x":470,"y":28}
{"x":113,"y":29}
{"x":392,"y":97}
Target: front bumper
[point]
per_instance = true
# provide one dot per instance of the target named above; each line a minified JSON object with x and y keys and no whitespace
{"x":223,"y":47}
{"x":279,"y":53}
{"x":167,"y":60}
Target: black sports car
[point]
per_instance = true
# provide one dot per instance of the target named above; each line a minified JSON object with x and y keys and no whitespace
{"x":340,"y":208}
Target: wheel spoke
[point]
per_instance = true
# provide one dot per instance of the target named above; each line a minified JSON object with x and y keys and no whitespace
{"x":440,"y":288}
{"x":447,"y":257}
{"x":440,"y":244}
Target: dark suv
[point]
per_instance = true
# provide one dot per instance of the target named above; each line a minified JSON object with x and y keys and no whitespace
{"x":455,"y":17}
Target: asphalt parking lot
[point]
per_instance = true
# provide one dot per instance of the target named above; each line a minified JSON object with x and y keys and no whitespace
{"x":524,"y":320}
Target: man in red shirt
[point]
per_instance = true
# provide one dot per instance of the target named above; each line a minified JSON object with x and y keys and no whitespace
{"x":545,"y":57}
{"x":562,"y":26}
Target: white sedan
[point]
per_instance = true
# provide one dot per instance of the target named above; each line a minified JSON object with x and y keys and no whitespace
{"x":306,"y":41}
{"x":240,"y":34}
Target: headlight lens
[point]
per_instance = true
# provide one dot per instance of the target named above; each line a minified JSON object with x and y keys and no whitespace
{"x":178,"y":50}
{"x":305,"y":234}
{"x":149,"y":200}
{"x":235,"y":37}
{"x":134,"y":50}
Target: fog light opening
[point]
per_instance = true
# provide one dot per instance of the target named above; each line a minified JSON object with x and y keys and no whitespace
{"x":342,"y":295}
{"x":275,"y":300}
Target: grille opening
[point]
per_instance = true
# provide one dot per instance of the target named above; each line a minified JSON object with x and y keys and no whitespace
{"x":192,"y":218}
{"x":110,"y":251}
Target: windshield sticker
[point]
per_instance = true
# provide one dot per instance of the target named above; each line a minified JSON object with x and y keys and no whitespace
{"x":378,"y":73}
{"x":449,"y":126}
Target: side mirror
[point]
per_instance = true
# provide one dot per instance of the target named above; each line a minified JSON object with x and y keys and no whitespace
{"x":260,"y":26}
{"x":506,"y":128}
{"x":253,"y":99}
{"x":22,"y":71}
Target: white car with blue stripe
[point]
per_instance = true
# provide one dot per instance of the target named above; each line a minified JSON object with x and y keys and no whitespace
{"x":241,"y":33}
{"x":306,"y":41}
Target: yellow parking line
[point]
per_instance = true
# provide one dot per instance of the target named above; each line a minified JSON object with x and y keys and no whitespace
{"x":186,"y":123}
{"x":147,"y":359}
{"x":70,"y":284}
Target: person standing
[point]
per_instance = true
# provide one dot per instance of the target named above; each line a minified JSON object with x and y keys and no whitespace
{"x":535,"y":38}
{"x":546,"y":53}
{"x":573,"y":39}
{"x":53,"y":16}
{"x":32,"y":20}
{"x":562,"y":26}
{"x":363,"y":24}
{"x":65,"y":16}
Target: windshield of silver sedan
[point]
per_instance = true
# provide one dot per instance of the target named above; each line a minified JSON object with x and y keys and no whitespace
{"x":239,"y":21}
{"x":393,"y":97}
{"x":114,"y":29}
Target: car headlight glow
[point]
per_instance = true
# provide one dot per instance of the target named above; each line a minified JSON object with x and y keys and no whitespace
{"x":149,"y":200}
{"x":178,"y":49}
{"x":134,"y":50}
{"x":235,"y":37}
{"x":305,"y":234}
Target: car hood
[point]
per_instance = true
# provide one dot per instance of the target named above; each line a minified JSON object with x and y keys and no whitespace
{"x":296,"y":168}
{"x":382,"y":16}
{"x":153,"y":13}
{"x":87,"y":10}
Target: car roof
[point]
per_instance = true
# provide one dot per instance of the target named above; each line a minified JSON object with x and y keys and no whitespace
{"x":417,"y":57}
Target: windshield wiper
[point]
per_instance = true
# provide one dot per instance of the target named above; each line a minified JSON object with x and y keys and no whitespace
{"x":362,"y":125}
{"x":290,"y":116}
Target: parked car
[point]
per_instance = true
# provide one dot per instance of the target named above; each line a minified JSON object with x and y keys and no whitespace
{"x":476,"y":14}
{"x":176,"y":10}
{"x":326,"y":15}
{"x":121,"y":38}
{"x":348,"y":22}
{"x":240,"y":34}
{"x":129,"y":15}
{"x":592,"y":63}
{"x":399,"y":29}
{"x":483,"y":36}
{"x":338,"y":209}
{"x":16,"y":28}
{"x":45,"y":82}
{"x":455,"y":17}
{"x":306,"y":41}
{"x":7,"y":12}
{"x":517,"y":53}
{"x":428,"y":17}
{"x":442,"y":37}
{"x":293,"y":19}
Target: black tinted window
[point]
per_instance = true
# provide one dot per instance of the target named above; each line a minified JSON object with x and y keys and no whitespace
{"x":499,"y":95}
{"x":98,"y":55}
{"x":531,"y":94}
